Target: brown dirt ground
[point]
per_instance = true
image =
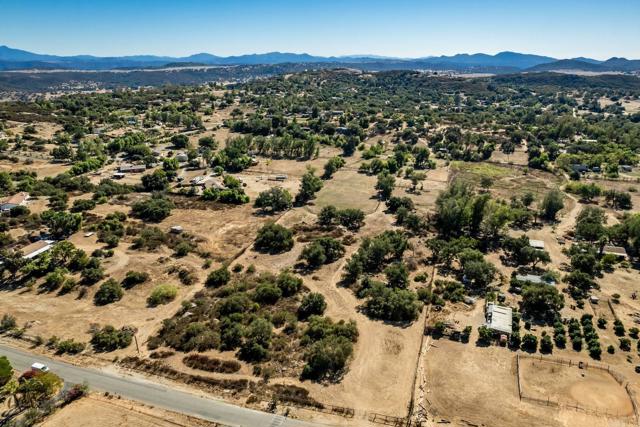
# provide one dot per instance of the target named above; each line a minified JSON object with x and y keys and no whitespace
{"x":114,"y":412}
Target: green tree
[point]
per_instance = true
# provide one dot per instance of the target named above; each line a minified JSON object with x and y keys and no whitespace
{"x":274,"y":238}
{"x":309,"y":186}
{"x":385,"y":185}
{"x":276,"y":199}
{"x":6,"y":370}
{"x":551,"y":204}
{"x":62,"y":224}
{"x":110,"y":291}
{"x":312,"y":304}
{"x":156,"y":181}
{"x":541,"y":301}
{"x":180,"y":141}
{"x":154,"y":209}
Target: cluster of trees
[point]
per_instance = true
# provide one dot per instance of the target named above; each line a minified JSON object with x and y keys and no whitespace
{"x":323,"y":250}
{"x":391,"y":300}
{"x":350,"y":218}
{"x":254,"y":312}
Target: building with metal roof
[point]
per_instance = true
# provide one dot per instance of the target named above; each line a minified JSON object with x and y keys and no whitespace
{"x":498,"y":318}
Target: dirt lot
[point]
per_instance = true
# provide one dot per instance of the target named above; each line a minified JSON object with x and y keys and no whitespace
{"x":112,"y":412}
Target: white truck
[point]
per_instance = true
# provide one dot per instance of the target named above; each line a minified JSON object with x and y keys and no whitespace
{"x":40,"y":367}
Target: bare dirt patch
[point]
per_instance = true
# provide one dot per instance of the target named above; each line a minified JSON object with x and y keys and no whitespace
{"x":112,"y":412}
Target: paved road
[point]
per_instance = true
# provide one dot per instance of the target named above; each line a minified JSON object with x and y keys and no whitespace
{"x":155,"y":394}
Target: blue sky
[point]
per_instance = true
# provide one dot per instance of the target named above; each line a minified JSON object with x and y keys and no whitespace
{"x":405,"y":28}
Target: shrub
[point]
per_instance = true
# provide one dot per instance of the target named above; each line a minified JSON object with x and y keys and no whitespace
{"x":219,"y":277}
{"x":529,"y":343}
{"x":625,"y":344}
{"x":162,"y":294}
{"x":109,"y":292}
{"x":70,"y":347}
{"x":134,"y":278}
{"x":6,"y":371}
{"x":204,"y":363}
{"x":485,"y":335}
{"x":288,"y":283}
{"x":618,"y":328}
{"x":267,"y":293}
{"x":55,"y":279}
{"x":546,"y":345}
{"x":312,"y":303}
{"x":327,"y":357}
{"x":109,"y":338}
{"x":274,"y":238}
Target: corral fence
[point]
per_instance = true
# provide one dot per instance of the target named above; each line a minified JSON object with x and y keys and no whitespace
{"x":579,"y":364}
{"x":574,"y":405}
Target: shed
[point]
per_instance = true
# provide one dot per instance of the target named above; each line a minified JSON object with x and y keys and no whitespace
{"x":618,"y":251}
{"x":499,"y":318}
{"x":182,"y":157}
{"x":536,"y":244}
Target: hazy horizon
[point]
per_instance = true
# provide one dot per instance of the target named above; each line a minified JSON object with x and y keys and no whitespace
{"x":403,"y":28}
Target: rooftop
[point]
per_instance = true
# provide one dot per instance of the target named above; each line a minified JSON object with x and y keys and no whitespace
{"x":615,"y":250}
{"x":34,"y":249}
{"x":499,"y":318}
{"x":538,"y":244}
{"x":16,"y":199}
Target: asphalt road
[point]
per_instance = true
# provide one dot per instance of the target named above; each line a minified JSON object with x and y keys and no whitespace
{"x":143,"y":390}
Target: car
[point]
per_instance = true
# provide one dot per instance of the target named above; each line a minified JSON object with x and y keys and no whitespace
{"x":41,"y":367}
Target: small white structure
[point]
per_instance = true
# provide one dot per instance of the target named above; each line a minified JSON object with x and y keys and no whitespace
{"x":536,"y":244}
{"x":498,"y":318}
{"x":182,"y":157}
{"x":18,"y":199}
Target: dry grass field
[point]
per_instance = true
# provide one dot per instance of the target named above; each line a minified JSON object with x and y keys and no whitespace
{"x":113,"y":412}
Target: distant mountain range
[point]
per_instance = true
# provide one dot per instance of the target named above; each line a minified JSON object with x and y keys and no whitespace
{"x":503,"y":62}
